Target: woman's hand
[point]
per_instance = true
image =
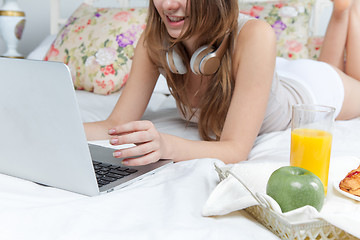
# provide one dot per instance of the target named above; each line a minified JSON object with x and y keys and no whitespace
{"x":148,"y":142}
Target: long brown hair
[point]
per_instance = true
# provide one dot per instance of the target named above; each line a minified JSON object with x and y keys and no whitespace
{"x":210,"y":20}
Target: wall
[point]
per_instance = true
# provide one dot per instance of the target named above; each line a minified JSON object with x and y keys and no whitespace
{"x":37,"y":25}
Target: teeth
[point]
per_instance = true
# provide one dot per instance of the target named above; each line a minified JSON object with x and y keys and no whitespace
{"x":176,"y":19}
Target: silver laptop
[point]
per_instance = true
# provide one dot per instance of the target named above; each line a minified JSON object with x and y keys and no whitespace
{"x":42,"y":138}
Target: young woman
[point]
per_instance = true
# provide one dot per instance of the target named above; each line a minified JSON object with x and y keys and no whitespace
{"x":249,"y":93}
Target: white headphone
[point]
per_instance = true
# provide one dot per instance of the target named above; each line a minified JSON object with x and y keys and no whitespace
{"x":205,"y":60}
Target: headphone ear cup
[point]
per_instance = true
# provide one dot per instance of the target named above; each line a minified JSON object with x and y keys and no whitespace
{"x":175,"y":62}
{"x":206,"y":60}
{"x":197,"y":59}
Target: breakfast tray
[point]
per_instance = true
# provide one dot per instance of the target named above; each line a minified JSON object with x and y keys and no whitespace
{"x":316,"y":229}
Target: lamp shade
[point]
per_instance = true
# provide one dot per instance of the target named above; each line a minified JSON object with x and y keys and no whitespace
{"x":12,"y":23}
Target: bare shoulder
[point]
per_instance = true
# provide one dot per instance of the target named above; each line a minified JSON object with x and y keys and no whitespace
{"x":255,"y":44}
{"x":256,"y":31}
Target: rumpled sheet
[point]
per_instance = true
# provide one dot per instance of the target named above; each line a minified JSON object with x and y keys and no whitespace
{"x":166,"y":205}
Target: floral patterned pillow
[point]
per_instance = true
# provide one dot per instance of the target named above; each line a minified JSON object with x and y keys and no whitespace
{"x":98,"y":44}
{"x":314,"y":45}
{"x":290,"y":20}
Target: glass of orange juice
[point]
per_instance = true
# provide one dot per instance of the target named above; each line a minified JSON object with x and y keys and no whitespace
{"x":311,"y":138}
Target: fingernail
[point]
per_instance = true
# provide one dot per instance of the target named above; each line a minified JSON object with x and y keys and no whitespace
{"x":114,"y":140}
{"x":111,"y":131}
{"x":116,"y":154}
{"x":125,"y":162}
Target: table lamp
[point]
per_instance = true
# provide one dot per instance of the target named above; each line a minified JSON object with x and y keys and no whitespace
{"x":12,"y":22}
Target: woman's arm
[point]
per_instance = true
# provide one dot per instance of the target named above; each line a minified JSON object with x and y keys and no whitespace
{"x":254,"y":71}
{"x":134,"y":98}
{"x":254,"y":62}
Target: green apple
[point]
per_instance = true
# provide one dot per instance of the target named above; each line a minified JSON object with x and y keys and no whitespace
{"x":295,"y":187}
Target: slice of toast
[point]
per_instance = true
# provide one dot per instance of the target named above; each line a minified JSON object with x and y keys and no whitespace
{"x":351,"y":183}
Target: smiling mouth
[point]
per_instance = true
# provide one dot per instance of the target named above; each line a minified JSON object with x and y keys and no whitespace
{"x":176,"y":19}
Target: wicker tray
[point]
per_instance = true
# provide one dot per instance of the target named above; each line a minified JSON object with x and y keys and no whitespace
{"x":316,"y":229}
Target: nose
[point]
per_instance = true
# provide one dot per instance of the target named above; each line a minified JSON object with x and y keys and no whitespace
{"x":171,"y":5}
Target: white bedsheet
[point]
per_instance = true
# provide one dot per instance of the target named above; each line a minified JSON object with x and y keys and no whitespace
{"x":166,"y":205}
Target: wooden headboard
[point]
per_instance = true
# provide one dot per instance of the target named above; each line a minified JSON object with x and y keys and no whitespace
{"x":320,"y":18}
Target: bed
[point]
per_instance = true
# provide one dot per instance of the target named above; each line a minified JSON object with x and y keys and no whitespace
{"x":183,"y":201}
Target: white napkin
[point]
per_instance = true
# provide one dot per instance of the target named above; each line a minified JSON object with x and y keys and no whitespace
{"x":231,"y":196}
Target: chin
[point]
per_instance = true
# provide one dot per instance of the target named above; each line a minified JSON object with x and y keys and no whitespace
{"x":174,"y":34}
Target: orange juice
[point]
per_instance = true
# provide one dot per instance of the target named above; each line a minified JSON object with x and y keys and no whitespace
{"x":310,"y":149}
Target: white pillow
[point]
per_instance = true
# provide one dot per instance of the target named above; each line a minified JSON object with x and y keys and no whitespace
{"x":39,"y":52}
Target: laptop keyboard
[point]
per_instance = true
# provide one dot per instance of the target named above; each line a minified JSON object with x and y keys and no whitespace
{"x":107,"y":173}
